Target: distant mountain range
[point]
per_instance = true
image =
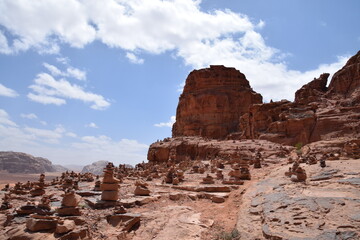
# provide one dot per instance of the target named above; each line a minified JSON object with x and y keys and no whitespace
{"x":18,"y":162}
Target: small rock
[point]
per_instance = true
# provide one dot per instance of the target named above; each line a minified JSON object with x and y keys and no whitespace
{"x":218,"y":199}
{"x":65,"y":227}
{"x":35,"y":225}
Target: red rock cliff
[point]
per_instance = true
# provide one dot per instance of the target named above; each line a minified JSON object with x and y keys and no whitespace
{"x":318,"y":112}
{"x":212,"y":102}
{"x":346,"y":81}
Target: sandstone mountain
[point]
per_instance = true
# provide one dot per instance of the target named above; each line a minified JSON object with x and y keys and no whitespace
{"x":219,"y":103}
{"x":17,"y":162}
{"x":318,"y":112}
{"x":212,"y":102}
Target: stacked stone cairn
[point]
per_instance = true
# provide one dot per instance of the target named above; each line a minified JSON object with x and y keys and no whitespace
{"x":69,"y":204}
{"x":257,"y":160}
{"x":110,"y":185}
{"x":141,"y":188}
{"x":296,"y":173}
{"x":6,"y":202}
{"x":234,"y":175}
{"x":38,"y":188}
{"x":208,"y":179}
{"x":97,"y":185}
{"x":18,"y":189}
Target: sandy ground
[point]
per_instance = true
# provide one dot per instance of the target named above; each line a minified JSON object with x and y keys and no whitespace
{"x":12,"y":178}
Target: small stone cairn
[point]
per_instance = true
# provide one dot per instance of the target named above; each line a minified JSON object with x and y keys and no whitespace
{"x":110,"y":185}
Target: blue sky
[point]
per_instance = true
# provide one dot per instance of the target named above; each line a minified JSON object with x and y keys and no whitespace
{"x":82,"y":81}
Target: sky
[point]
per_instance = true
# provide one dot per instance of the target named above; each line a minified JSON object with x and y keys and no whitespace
{"x":89,"y":80}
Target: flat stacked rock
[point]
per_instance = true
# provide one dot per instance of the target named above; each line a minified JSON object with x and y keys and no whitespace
{"x":41,"y":223}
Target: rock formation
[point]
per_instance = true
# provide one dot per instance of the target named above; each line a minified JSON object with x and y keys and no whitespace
{"x":17,"y":162}
{"x":218,"y":102}
{"x":318,"y":113}
{"x":69,"y":204}
{"x":212,"y":102}
{"x":110,"y":185}
{"x":95,"y":168}
{"x":191,"y":148}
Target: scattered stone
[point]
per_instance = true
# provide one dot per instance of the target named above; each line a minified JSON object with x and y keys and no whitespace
{"x":218,"y":199}
{"x":36,"y":223}
{"x":126,"y":222}
{"x":65,"y":226}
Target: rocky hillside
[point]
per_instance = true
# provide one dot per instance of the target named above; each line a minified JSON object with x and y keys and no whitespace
{"x":17,"y":162}
{"x":318,"y":112}
{"x":95,"y":168}
{"x":219,"y":103}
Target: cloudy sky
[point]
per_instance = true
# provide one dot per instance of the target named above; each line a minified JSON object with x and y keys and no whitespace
{"x":88,"y":80}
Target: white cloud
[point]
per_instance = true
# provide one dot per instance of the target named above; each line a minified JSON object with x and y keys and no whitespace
{"x":42,"y":24}
{"x":52,"y":69}
{"x":4,"y":47}
{"x":166,"y":124}
{"x":7,"y":92}
{"x":5,"y":119}
{"x":63,"y":60}
{"x":91,"y":125}
{"x":29,"y":116}
{"x":47,"y":90}
{"x":48,"y":136}
{"x":200,"y":38}
{"x":75,"y":73}
{"x":33,"y":116}
{"x":46,"y":99}
{"x":134,"y":59}
{"x":70,"y":72}
{"x":103,"y":147}
{"x":50,"y":143}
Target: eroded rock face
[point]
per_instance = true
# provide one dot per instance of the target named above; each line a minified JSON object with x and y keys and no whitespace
{"x":312,"y":91}
{"x":196,"y":148}
{"x":212,"y":102}
{"x":218,"y":103}
{"x":346,"y":81}
{"x":316,"y":114}
{"x":17,"y":162}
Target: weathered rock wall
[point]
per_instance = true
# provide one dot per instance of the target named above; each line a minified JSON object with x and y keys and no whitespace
{"x":318,"y":112}
{"x":218,"y":103}
{"x":212,"y":102}
{"x":197,"y":148}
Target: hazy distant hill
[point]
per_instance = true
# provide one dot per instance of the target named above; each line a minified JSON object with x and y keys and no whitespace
{"x":17,"y":162}
{"x":73,"y":167}
{"x":95,"y":168}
